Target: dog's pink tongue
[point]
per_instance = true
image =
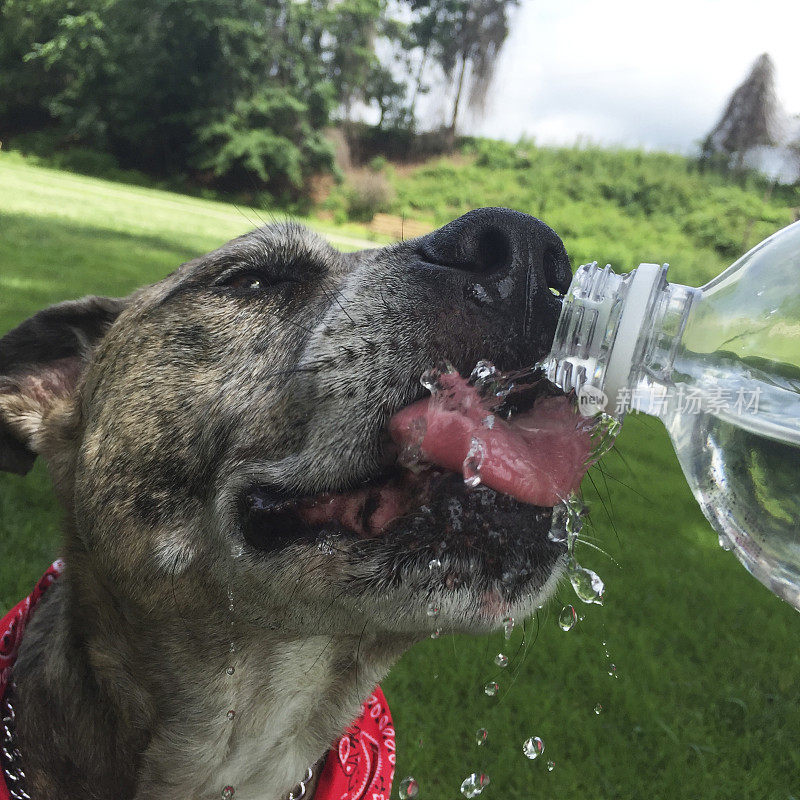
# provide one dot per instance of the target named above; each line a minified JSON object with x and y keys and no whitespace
{"x":538,"y":457}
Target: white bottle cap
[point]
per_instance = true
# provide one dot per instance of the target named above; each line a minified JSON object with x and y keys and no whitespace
{"x":600,"y":326}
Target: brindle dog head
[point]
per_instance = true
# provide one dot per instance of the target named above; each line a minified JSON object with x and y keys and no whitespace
{"x":182,"y":423}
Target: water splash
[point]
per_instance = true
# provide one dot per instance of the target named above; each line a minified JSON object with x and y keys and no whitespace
{"x":474,"y":784}
{"x":408,"y":789}
{"x":533,"y":747}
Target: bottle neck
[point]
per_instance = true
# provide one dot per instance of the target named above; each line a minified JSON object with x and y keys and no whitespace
{"x":617,"y":335}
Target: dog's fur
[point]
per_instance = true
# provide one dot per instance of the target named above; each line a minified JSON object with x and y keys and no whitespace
{"x":271,"y":366}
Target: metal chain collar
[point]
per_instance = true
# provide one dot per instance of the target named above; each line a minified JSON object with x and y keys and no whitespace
{"x":10,"y":756}
{"x":300,"y":790}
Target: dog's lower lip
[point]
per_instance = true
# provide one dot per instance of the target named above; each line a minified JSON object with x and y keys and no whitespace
{"x":372,"y":510}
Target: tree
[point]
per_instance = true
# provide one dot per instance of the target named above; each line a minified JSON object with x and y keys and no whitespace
{"x":749,"y":119}
{"x":243,"y":88}
{"x":465,"y":38}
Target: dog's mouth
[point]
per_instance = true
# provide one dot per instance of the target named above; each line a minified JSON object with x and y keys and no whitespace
{"x":479,"y":459}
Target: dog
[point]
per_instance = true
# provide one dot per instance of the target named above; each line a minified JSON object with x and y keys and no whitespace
{"x":185,"y":425}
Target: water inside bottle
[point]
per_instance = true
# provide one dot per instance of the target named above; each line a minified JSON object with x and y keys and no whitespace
{"x":740,"y":452}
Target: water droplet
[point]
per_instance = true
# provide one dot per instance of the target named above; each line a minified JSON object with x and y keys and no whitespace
{"x":230,"y":670}
{"x":436,"y":634}
{"x":231,"y":714}
{"x":491,"y":688}
{"x":434,"y":564}
{"x":612,"y":671}
{"x":230,"y":600}
{"x":598,"y":708}
{"x":725,"y":543}
{"x":484,"y":372}
{"x":587,"y":584}
{"x":481,"y":736}
{"x":326,"y":547}
{"x":433,"y":610}
{"x":558,"y":524}
{"x":501,"y":660}
{"x":551,"y":765}
{"x":508,"y":627}
{"x":604,"y":434}
{"x":408,"y":789}
{"x":232,"y":648}
{"x":488,"y":421}
{"x":411,"y":454}
{"x":228,"y":792}
{"x":431,"y":378}
{"x":471,"y":468}
{"x":474,"y":784}
{"x":567,"y":618}
{"x":533,"y":747}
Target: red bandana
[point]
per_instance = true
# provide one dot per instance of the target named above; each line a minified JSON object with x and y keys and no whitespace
{"x":360,"y":766}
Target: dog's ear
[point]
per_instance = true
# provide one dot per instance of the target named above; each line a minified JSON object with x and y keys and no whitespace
{"x":41,"y":362}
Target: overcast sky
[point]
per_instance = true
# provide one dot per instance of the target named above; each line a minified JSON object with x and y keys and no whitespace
{"x":633,"y":72}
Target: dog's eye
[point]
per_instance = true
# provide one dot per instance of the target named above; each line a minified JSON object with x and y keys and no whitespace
{"x":246,"y":282}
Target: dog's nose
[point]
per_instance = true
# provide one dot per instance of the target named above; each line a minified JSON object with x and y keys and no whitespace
{"x":508,"y":260}
{"x":491,"y":242}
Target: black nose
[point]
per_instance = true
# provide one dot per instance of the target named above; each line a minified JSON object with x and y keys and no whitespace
{"x":508,"y":260}
{"x":491,"y":242}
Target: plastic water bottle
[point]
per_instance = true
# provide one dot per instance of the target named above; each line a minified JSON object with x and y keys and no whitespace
{"x":720,"y":366}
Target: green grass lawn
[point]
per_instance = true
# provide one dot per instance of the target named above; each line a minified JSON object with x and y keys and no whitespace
{"x":707,"y":699}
